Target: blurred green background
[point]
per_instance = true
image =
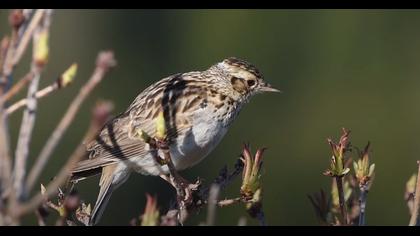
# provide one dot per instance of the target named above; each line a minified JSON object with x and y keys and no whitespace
{"x":357,"y":69}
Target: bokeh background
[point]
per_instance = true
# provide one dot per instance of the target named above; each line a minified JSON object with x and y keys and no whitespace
{"x":358,"y":69}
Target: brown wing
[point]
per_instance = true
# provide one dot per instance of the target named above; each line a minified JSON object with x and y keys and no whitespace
{"x":117,"y":140}
{"x":113,"y":144}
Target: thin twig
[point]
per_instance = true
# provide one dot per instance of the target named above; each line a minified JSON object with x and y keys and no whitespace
{"x":8,"y":53}
{"x":39,"y":94}
{"x":224,"y":178}
{"x":18,"y":45}
{"x":29,"y":115}
{"x":410,"y":190}
{"x":414,"y":217}
{"x":8,"y":63}
{"x":5,"y":159}
{"x":212,"y":204}
{"x":362,"y":203}
{"x":162,"y":145}
{"x":182,"y":193}
{"x":26,"y":36}
{"x":343,"y":210}
{"x":16,"y":88}
{"x":25,"y":134}
{"x":228,"y":202}
{"x":4,"y":45}
{"x":41,"y":219}
{"x":104,"y":62}
{"x":51,"y":189}
{"x":101,"y":113}
{"x":261,"y":218}
{"x":184,"y":190}
{"x":26,"y":14}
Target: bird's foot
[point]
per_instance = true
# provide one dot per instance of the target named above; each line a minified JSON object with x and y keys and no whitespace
{"x":188,"y":188}
{"x":183,"y":187}
{"x":185,"y":197}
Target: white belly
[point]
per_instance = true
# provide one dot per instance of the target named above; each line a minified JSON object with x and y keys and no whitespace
{"x":201,"y":139}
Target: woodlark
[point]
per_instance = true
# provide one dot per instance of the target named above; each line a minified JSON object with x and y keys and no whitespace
{"x":198,"y":108}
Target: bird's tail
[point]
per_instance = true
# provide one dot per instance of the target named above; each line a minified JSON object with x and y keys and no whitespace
{"x":106,"y":189}
{"x":112,"y":177}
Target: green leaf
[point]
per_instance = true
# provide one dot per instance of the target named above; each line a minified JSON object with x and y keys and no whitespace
{"x":371,"y":169}
{"x":345,"y":171}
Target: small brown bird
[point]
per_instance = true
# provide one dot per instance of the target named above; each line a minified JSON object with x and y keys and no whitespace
{"x":198,"y":108}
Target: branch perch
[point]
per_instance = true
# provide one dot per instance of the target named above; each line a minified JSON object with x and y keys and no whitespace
{"x":104,"y":63}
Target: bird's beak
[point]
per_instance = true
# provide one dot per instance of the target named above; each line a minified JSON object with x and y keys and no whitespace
{"x":266,"y":87}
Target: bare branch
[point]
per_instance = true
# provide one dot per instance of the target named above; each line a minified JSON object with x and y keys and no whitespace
{"x":261,"y":218}
{"x":18,"y":21}
{"x":22,"y":149}
{"x":18,"y":45}
{"x":4,"y":45}
{"x":16,"y":88}
{"x":414,"y":216}
{"x":342,"y":202}
{"x":224,"y":178}
{"x":5,"y":159}
{"x":211,"y":210}
{"x":60,"y":83}
{"x":104,"y":62}
{"x":201,"y":197}
{"x":26,"y":36}
{"x":41,"y":213}
{"x":228,"y":202}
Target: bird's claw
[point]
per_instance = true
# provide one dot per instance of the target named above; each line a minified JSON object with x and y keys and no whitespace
{"x":186,"y":197}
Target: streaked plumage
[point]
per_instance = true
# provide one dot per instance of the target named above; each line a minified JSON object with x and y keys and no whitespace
{"x":198,"y":108}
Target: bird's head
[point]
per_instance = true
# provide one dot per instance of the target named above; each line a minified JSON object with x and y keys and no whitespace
{"x":244,"y":78}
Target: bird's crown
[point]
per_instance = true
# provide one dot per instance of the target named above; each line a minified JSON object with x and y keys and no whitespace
{"x":245,"y":78}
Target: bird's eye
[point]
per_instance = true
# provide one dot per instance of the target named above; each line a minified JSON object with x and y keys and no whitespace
{"x":251,"y":82}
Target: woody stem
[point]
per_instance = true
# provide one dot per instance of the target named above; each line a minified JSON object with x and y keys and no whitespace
{"x":339,"y":182}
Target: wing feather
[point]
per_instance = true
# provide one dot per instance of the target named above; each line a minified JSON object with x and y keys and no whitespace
{"x":116,"y":141}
